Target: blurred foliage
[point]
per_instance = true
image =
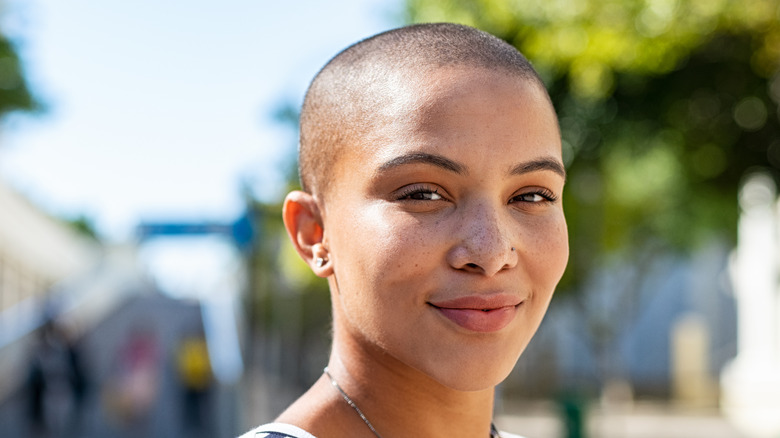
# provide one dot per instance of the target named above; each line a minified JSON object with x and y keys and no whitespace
{"x":664,"y":106}
{"x":14,"y":93}
{"x":83,"y":225}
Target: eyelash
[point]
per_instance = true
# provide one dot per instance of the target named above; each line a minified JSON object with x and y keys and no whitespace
{"x":408,"y":192}
{"x":546,"y":195}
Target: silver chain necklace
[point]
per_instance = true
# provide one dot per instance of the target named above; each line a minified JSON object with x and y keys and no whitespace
{"x":493,"y":431}
{"x":351,"y":403}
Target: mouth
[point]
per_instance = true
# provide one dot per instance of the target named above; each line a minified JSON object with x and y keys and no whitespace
{"x":482,"y":314}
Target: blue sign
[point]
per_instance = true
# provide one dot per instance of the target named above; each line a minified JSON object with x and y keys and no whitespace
{"x":242,"y":231}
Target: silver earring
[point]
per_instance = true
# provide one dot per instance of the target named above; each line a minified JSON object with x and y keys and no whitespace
{"x":320,"y":262}
{"x":513,"y":248}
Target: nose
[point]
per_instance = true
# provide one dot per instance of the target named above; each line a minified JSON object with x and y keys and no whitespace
{"x":483,"y":241}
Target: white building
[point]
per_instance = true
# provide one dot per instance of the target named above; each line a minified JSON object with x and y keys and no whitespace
{"x":36,"y":251}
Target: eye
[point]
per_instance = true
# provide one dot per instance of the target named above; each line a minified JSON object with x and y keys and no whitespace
{"x":535,"y":197}
{"x":420,"y":193}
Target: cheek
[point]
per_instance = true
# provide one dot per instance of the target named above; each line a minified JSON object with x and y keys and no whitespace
{"x":548,"y":252}
{"x":388,"y":243}
{"x":375,"y":254}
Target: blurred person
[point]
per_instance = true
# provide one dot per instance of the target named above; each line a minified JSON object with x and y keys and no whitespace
{"x":196,"y":379}
{"x":56,"y":383}
{"x":430,"y":160}
{"x":134,"y":384}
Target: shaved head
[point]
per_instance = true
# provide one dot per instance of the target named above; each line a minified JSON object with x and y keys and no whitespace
{"x":357,"y":91}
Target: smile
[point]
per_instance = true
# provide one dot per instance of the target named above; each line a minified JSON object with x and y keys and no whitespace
{"x":478,"y":313}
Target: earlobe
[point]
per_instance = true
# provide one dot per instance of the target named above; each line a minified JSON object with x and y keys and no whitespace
{"x":303,"y":221}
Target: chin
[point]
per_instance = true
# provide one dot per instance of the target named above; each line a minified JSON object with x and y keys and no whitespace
{"x":472,"y":382}
{"x":474,"y":375}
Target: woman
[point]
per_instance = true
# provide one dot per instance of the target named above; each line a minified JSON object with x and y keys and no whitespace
{"x":430,"y":160}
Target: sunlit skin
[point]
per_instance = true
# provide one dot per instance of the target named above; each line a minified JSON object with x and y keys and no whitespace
{"x":421,"y":216}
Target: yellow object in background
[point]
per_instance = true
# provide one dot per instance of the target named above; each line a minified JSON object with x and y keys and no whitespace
{"x":193,"y":363}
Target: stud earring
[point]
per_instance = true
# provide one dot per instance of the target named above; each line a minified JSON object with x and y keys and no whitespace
{"x":513,"y":248}
{"x":320,"y":262}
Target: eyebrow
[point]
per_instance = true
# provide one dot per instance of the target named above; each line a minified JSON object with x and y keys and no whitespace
{"x":544,"y":163}
{"x":421,"y":157}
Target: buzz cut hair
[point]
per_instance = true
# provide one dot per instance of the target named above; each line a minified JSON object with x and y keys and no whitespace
{"x":346,"y":98}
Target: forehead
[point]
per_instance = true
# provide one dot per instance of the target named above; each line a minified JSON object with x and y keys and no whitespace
{"x":442,"y":110}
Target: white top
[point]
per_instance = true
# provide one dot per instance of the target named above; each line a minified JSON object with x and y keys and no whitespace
{"x":289,"y":430}
{"x":283,"y":428}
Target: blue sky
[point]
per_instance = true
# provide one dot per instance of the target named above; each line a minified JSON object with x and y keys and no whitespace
{"x":158,"y":110}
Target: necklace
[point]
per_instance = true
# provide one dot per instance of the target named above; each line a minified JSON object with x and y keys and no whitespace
{"x":493,"y":431}
{"x":350,"y":402}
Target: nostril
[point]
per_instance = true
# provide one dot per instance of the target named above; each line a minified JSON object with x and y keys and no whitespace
{"x":472,"y":265}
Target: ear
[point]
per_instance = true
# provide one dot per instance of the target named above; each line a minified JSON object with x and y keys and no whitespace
{"x":302,"y":219}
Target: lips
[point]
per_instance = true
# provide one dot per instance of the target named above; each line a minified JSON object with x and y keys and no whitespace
{"x":479,"y":313}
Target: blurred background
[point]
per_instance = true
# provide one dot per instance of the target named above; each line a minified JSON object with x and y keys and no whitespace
{"x":147,"y":288}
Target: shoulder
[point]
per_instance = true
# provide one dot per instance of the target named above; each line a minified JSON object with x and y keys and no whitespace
{"x":503,"y":434}
{"x":277,"y":430}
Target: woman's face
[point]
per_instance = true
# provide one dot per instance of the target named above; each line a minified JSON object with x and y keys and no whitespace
{"x":445,"y":229}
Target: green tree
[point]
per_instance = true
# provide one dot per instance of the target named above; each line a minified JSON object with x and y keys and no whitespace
{"x":14,"y":93}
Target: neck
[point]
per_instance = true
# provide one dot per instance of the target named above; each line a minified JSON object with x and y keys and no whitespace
{"x":401,"y":401}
